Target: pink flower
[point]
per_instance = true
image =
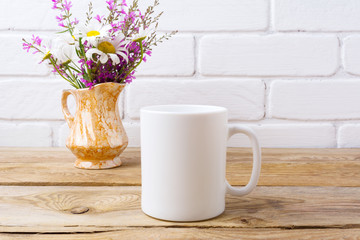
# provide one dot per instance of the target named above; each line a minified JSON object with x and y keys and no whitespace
{"x":59,"y":18}
{"x":111,"y":4}
{"x":67,"y":5}
{"x":99,"y":18}
{"x":75,"y":22}
{"x":55,"y":2}
{"x":27,"y":46}
{"x":36,"y":40}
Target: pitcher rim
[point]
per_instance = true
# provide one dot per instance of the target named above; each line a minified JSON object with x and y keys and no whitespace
{"x":84,"y":89}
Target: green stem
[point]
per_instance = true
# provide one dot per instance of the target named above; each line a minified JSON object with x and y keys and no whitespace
{"x":54,"y":65}
{"x":85,"y":58}
{"x":73,"y":78}
{"x":76,"y":70}
{"x":141,"y":59}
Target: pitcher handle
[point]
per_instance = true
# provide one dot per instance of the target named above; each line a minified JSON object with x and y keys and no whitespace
{"x":68,"y":117}
{"x":256,"y":162}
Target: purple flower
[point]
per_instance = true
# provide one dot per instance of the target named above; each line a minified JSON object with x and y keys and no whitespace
{"x":99,"y":18}
{"x":27,"y":46}
{"x":111,"y":4}
{"x":36,"y":40}
{"x":55,"y":3}
{"x":59,"y":18}
{"x":75,"y":22}
{"x":67,"y":5}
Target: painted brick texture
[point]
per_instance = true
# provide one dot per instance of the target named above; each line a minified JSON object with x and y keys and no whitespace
{"x":316,"y":15}
{"x":315,"y":99}
{"x":275,"y":55}
{"x":243,"y":98}
{"x":289,"y":69}
{"x":349,"y":136}
{"x":212,"y":15}
{"x":351,"y":54}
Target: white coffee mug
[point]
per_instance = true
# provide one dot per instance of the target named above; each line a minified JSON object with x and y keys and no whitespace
{"x":183,"y":161}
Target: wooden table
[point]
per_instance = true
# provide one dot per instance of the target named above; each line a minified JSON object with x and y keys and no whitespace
{"x":302,"y":194}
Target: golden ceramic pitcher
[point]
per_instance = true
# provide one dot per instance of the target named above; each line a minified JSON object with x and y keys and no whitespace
{"x":97,"y":136}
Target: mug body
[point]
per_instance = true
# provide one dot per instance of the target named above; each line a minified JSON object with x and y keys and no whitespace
{"x":183,"y":161}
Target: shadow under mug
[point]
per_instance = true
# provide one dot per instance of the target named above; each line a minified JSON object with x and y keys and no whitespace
{"x":183,"y":161}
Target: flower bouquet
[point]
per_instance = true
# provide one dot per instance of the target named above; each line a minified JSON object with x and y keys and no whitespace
{"x":98,"y":58}
{"x":104,"y":48}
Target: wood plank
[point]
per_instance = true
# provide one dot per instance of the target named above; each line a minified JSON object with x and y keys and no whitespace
{"x":198,"y":234}
{"x":281,"y":167}
{"x":49,"y":209}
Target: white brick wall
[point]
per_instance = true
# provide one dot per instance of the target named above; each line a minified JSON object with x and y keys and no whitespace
{"x":290,"y":69}
{"x":25,"y":134}
{"x":349,"y":136}
{"x":316,"y":15}
{"x":243,"y":98}
{"x":14,"y":61}
{"x":212,"y":15}
{"x":315,"y":99}
{"x":351,"y":54}
{"x":274,"y":55}
{"x":173,"y":58}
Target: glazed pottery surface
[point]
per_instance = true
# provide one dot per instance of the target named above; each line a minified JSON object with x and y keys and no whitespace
{"x":97,"y":136}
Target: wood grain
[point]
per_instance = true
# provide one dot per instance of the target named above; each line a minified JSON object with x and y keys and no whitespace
{"x":198,"y":234}
{"x":49,"y":209}
{"x":281,"y":167}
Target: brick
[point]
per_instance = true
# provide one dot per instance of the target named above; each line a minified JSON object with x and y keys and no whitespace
{"x":315,"y":99}
{"x":211,"y":15}
{"x":174,"y":57}
{"x":38,"y":15}
{"x":25,"y":135}
{"x":200,"y":15}
{"x":289,"y":136}
{"x":243,"y":98}
{"x":274,"y":55}
{"x":133,"y":133}
{"x":348,"y":136}
{"x":36,"y":99}
{"x":17,"y":61}
{"x":32,"y":99}
{"x":62,"y":135}
{"x":316,"y":15}
{"x":351,"y":54}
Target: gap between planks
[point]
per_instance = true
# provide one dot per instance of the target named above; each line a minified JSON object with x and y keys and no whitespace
{"x":196,"y":234}
{"x":281,"y":167}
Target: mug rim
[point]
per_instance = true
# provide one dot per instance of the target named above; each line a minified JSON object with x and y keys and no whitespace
{"x":183,"y":109}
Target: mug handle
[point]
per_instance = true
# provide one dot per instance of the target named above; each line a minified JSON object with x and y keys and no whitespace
{"x":256,"y":161}
{"x":68,"y":117}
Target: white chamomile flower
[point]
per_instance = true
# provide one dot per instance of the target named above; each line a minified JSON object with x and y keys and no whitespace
{"x":63,"y":49}
{"x":108,"y":48}
{"x":141,"y":35}
{"x":94,"y":32}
